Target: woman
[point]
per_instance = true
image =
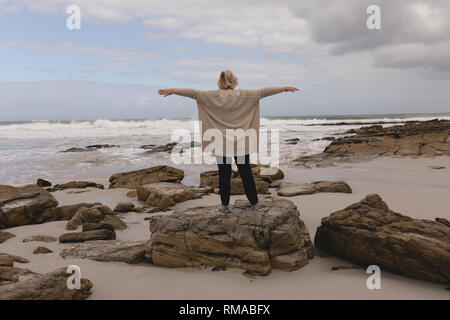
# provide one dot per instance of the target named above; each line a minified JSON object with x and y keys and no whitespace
{"x":229,"y":109}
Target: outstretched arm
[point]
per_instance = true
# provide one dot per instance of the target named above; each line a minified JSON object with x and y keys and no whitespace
{"x":185,"y":92}
{"x":269,"y":91}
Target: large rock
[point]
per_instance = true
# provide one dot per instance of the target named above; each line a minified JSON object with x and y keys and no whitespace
{"x":115,"y":250}
{"x":85,"y":215}
{"x":211,"y":179}
{"x":124,"y":207}
{"x":428,"y":138}
{"x":134,"y":179}
{"x":76,"y":185}
{"x":101,"y":234}
{"x":67,"y":212}
{"x":14,"y":257}
{"x":5,"y":236}
{"x":255,"y":240}
{"x":10,"y":274}
{"x":50,"y":286}
{"x":165,"y":194}
{"x":23,"y":205}
{"x":288,"y":189}
{"x":114,"y":221}
{"x":369,"y":233}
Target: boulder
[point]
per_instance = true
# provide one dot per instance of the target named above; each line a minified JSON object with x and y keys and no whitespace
{"x":267,"y":171}
{"x":288,"y":189}
{"x":40,"y":238}
{"x":115,"y":222}
{"x":50,"y":286}
{"x":84,"y":215}
{"x":43,"y":183}
{"x":5,"y":236}
{"x":101,"y":234}
{"x":132,"y":194}
{"x":23,"y":205}
{"x":165,"y":194}
{"x":255,"y":240}
{"x":134,"y":179}
{"x":76,"y":185}
{"x":6,"y":260}
{"x":114,"y":250}
{"x":369,"y":233}
{"x":42,"y":250}
{"x":124,"y":207}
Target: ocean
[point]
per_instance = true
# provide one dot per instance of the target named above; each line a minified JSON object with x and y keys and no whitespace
{"x":30,"y":149}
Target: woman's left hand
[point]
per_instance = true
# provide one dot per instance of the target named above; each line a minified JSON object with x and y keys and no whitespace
{"x":165,"y":92}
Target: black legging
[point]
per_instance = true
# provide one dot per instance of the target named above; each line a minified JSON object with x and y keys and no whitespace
{"x":245,"y":171}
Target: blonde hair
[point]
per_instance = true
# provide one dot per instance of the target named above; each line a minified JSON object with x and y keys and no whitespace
{"x":227,"y":80}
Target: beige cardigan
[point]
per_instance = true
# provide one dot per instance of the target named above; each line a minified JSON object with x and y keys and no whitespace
{"x":229,"y":109}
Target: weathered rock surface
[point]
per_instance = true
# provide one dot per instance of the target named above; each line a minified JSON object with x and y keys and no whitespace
{"x":115,"y":250}
{"x":76,"y":185}
{"x":257,"y":241}
{"x":40,"y":238}
{"x":23,"y":205}
{"x":151,"y":148}
{"x":10,"y":274}
{"x":369,"y":233}
{"x":124,"y":207}
{"x":288,"y":189}
{"x":42,"y":250}
{"x":166,"y":194}
{"x":100,"y":234}
{"x":134,"y":179}
{"x":67,"y":212}
{"x":50,"y":286}
{"x":97,"y":226}
{"x":428,"y":138}
{"x":5,"y":236}
{"x":211,"y":179}
{"x":84,"y":215}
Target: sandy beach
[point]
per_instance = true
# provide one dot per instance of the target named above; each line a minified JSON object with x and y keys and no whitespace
{"x":408,"y":185}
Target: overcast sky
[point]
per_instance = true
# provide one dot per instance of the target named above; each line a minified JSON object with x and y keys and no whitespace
{"x":126,"y":50}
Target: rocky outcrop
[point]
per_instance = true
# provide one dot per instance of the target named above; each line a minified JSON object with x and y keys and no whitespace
{"x":134,"y":179}
{"x":114,"y":221}
{"x":166,"y":194}
{"x":100,"y":234}
{"x":257,"y":241}
{"x":428,"y":138}
{"x":92,"y":147}
{"x":40,"y":238}
{"x":288,"y":189}
{"x":152,"y":148}
{"x":369,"y":233}
{"x":23,"y":205}
{"x":76,"y":185}
{"x":121,"y":251}
{"x":5,"y":236}
{"x":50,"y":286}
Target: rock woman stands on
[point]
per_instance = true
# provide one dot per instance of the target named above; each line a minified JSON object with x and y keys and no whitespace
{"x":232,"y":109}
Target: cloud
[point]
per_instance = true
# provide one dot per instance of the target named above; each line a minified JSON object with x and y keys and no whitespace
{"x":116,"y":58}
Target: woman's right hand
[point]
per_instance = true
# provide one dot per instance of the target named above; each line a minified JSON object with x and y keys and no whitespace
{"x":290,"y":89}
{"x":165,"y":92}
